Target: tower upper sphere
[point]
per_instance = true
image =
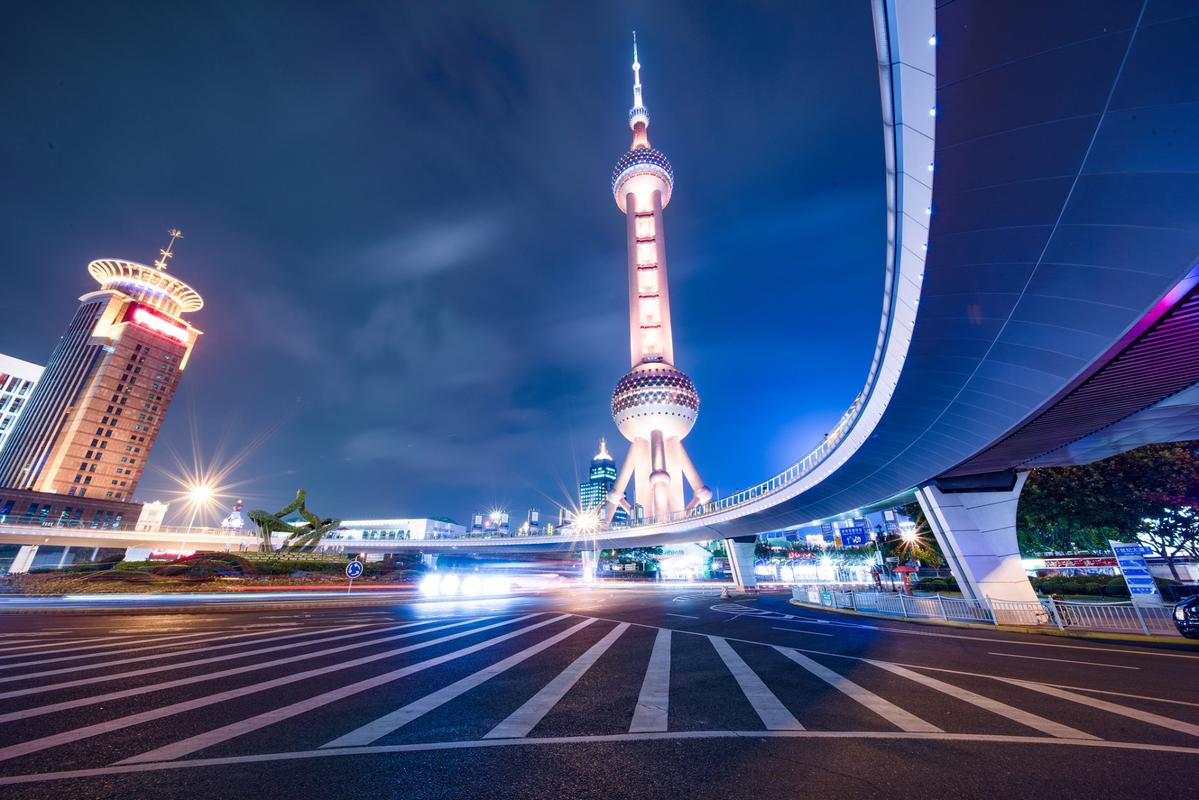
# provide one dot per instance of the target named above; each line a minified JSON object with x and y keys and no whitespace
{"x":642,"y":168}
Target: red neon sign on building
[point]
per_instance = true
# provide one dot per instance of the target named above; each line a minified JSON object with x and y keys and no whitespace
{"x":148,"y":319}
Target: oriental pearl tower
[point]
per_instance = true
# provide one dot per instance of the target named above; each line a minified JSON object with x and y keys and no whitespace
{"x":655,"y":404}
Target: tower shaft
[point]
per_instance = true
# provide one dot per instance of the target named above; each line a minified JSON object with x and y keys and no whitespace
{"x":650,"y":335}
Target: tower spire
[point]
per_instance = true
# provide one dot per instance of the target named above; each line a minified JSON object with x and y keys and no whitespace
{"x":636,"y":76}
{"x":638,"y":116}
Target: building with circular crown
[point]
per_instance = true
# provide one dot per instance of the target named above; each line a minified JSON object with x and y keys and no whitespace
{"x":93,"y":418}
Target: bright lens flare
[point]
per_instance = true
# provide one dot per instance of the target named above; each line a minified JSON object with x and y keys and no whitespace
{"x":587,"y":521}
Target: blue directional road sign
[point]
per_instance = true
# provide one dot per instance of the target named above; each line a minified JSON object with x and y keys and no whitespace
{"x":854,"y":536}
{"x":354,"y":570}
{"x":1141,"y":586}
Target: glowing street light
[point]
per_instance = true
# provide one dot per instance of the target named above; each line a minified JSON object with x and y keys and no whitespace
{"x":199,"y":496}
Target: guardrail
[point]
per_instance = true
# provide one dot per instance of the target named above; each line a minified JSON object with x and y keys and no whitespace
{"x":1063,"y":614}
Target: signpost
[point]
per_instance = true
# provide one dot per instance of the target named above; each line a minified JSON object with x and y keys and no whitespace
{"x":1131,"y":560}
{"x":855,"y":536}
{"x":353,"y":570}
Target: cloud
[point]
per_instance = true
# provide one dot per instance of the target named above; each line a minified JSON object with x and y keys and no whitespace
{"x":430,"y":249}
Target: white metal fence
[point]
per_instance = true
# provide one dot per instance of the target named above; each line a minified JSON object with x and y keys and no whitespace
{"x":1125,"y":617}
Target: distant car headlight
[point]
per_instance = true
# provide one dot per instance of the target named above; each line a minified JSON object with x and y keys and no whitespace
{"x":431,"y":585}
{"x":496,"y":585}
{"x":449,"y":585}
{"x":1180,"y":614}
{"x":472,"y":585}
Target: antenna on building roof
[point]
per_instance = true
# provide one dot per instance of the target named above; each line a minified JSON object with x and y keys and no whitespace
{"x":166,"y":255}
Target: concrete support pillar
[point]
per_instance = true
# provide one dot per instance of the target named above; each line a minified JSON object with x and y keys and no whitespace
{"x":589,"y":564}
{"x":23,"y":560}
{"x":976,"y":529}
{"x":136,"y":554}
{"x":429,"y":560}
{"x":741,"y":561}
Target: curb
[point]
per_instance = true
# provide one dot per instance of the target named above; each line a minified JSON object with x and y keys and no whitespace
{"x":1070,"y":634}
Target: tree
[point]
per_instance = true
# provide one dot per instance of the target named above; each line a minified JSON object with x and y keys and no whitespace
{"x":1151,"y":493}
{"x":925,"y":546}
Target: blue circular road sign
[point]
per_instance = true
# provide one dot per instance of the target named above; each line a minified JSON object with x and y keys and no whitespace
{"x":353,"y":569}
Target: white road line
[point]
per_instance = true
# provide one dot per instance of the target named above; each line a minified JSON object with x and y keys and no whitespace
{"x":1054,"y":685}
{"x":521,"y":721}
{"x":107,"y":640}
{"x":244,"y":726}
{"x":684,"y":616}
{"x":222,"y":637}
{"x":1103,"y":705}
{"x":1017,"y":642}
{"x":550,"y":741}
{"x":376,"y":729}
{"x":897,"y":716}
{"x":140,"y":642}
{"x":774,"y":714}
{"x":51,"y":687}
{"x":236,"y":671}
{"x":654,"y":701}
{"x":802,"y":633}
{"x":1063,"y":660}
{"x":1055,"y":729}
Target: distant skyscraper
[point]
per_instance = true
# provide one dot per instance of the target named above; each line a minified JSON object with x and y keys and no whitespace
{"x":655,"y":404}
{"x":17,"y":379}
{"x":92,"y":419}
{"x":594,"y":491}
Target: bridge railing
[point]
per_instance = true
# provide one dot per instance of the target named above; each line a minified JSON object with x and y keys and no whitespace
{"x":1062,"y":614}
{"x":795,"y":472}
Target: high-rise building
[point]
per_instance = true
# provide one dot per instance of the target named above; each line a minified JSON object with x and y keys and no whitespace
{"x":593,"y":492}
{"x":655,"y":404}
{"x":92,"y":419}
{"x":17,"y":379}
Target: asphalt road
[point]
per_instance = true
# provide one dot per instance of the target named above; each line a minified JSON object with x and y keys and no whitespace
{"x":584,"y":693}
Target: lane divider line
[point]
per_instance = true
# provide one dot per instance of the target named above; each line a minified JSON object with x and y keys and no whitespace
{"x":1112,"y":708}
{"x":770,"y":709}
{"x":522,"y":721}
{"x":549,"y":741}
{"x":74,"y":735}
{"x":1054,"y":729}
{"x":904,"y":720}
{"x":653,"y":704}
{"x":241,"y":727}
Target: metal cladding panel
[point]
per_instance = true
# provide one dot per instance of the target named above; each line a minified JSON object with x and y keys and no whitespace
{"x":1053,"y":85}
{"x":1020,"y":154}
{"x":975,"y":36}
{"x":1162,"y":361}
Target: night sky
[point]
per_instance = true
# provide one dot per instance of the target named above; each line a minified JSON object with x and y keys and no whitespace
{"x":400,"y":218}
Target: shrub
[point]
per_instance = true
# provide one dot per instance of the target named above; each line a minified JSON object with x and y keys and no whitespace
{"x":1072,"y":587}
{"x":1116,"y":587}
{"x":1092,"y":587}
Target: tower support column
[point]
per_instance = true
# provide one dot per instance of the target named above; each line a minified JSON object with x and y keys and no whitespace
{"x":976,"y":528}
{"x":590,"y":558}
{"x":741,"y":561}
{"x":23,"y":560}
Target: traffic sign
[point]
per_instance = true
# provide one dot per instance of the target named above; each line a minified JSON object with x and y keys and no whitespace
{"x":354,"y":570}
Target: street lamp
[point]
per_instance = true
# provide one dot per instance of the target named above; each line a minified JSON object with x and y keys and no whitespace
{"x":199,"y":496}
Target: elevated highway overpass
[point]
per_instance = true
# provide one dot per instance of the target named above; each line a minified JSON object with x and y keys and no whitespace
{"x":1041,"y":295}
